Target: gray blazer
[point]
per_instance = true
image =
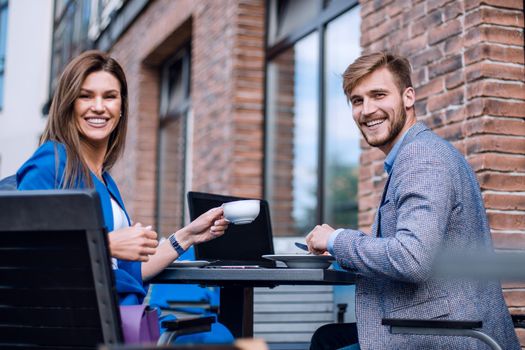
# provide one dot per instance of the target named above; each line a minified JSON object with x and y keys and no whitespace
{"x":432,"y":202}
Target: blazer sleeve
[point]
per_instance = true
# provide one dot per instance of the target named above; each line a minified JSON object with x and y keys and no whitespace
{"x":41,"y":171}
{"x":423,"y":202}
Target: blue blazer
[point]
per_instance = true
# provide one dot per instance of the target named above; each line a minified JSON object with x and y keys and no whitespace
{"x":45,"y":170}
{"x":432,"y":202}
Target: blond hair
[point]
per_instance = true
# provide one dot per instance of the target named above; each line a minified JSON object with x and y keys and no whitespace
{"x":366,"y":64}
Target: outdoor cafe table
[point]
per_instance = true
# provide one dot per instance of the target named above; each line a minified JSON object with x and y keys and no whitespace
{"x":236,"y":300}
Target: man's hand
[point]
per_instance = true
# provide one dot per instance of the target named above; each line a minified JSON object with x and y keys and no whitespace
{"x":317,"y":239}
{"x":135,"y":243}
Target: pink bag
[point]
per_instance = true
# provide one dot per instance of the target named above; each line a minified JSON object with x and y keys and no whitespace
{"x":140,"y":324}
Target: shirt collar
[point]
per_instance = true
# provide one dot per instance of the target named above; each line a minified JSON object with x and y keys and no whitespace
{"x":391,"y":157}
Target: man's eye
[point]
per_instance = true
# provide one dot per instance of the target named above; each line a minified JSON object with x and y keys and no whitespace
{"x":356,"y":102}
{"x":380,"y":95}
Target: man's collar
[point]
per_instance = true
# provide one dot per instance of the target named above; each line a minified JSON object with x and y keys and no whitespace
{"x":391,"y":157}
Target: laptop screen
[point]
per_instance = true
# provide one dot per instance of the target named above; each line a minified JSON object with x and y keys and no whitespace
{"x":240,"y":244}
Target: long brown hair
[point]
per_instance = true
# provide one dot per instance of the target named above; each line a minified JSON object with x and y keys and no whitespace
{"x":61,"y":125}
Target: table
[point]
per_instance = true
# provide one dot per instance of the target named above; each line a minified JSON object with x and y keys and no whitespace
{"x":236,"y":303}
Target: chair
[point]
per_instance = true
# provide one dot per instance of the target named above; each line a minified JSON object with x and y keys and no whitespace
{"x":188,"y":300}
{"x":8,"y":183}
{"x":56,"y":283}
{"x":440,"y":327}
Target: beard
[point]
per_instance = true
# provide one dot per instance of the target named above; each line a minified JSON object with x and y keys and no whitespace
{"x":397,"y":124}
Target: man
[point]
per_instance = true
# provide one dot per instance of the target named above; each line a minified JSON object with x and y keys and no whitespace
{"x":431,"y":202}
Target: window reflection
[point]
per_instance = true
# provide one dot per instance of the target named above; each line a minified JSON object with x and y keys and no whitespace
{"x":293,"y":137}
{"x":342,"y":135}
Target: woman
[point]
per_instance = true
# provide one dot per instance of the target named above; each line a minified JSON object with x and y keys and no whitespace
{"x":83,"y":138}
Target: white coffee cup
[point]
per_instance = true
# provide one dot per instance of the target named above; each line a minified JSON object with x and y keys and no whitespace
{"x":242,"y":212}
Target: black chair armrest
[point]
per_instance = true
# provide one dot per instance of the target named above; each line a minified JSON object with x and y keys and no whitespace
{"x":185,"y":324}
{"x":399,"y":322}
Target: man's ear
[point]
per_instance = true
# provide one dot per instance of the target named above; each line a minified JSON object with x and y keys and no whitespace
{"x":409,"y":97}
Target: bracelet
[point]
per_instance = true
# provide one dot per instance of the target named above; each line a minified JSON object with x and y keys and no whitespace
{"x":176,"y":244}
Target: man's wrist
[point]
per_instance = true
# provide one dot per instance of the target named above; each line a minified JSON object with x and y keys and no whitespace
{"x":331,"y":240}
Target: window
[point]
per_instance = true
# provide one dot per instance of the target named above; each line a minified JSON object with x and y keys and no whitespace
{"x":70,"y":36}
{"x":312,"y":143}
{"x":3,"y":42}
{"x":173,"y":153}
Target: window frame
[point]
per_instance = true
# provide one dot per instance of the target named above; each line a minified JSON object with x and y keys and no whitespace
{"x":329,"y":12}
{"x":166,"y":117}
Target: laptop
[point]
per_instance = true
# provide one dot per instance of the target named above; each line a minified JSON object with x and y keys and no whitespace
{"x":241,"y":245}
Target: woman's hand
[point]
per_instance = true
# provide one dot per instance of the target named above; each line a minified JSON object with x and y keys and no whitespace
{"x":209,"y":225}
{"x":135,"y":243}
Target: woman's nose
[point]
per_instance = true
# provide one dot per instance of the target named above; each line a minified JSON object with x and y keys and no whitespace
{"x":98,"y":105}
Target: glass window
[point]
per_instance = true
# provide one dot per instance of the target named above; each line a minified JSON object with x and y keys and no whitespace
{"x":294,"y":129}
{"x":3,"y":44}
{"x":342,"y":135}
{"x":312,"y":143}
{"x":173,"y":136}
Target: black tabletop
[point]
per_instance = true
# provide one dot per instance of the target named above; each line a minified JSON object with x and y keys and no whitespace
{"x":254,"y":277}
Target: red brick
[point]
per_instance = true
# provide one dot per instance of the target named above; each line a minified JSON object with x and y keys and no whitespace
{"x":486,"y":15}
{"x":502,"y":108}
{"x":455,"y":79}
{"x":432,"y":88}
{"x":520,"y":332}
{"x":495,"y":125}
{"x":506,"y":240}
{"x":429,"y":21}
{"x":486,"y":88}
{"x":415,"y":12}
{"x":446,"y":65}
{"x":511,"y":4}
{"x":495,"y":143}
{"x":514,"y":297}
{"x":494,"y":53}
{"x":434,"y":4}
{"x":494,"y":34}
{"x":444,"y":31}
{"x":497,"y":162}
{"x":444,"y":100}
{"x":505,"y":201}
{"x":501,"y":181}
{"x":384,"y":28}
{"x":451,"y":132}
{"x":452,"y":45}
{"x":501,"y":220}
{"x":455,"y":114}
{"x":494,"y":70}
{"x":431,"y":55}
{"x":453,"y":10}
{"x":414,"y":45}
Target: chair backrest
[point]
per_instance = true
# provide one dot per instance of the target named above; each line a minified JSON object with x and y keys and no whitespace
{"x":57,"y":288}
{"x":8,"y":183}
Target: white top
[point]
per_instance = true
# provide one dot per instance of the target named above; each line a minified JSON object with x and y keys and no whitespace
{"x":119,"y":221}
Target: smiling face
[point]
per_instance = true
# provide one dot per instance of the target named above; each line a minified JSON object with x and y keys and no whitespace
{"x":380,"y":110}
{"x":98,"y":107}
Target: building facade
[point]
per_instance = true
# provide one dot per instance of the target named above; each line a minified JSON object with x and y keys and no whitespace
{"x":243,"y":97}
{"x":25,"y":42}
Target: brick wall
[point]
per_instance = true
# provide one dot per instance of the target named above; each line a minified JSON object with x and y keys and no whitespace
{"x":227,"y":95}
{"x":227,"y":40}
{"x":468,"y":62}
